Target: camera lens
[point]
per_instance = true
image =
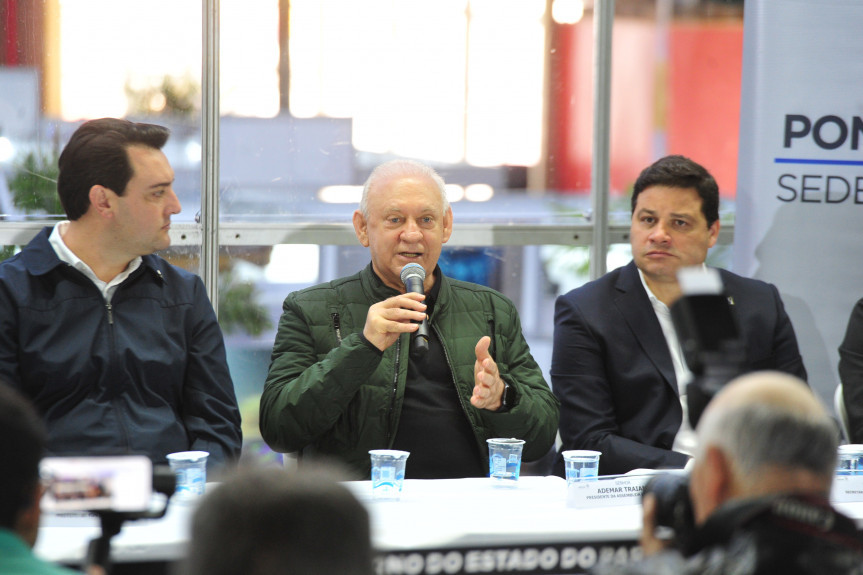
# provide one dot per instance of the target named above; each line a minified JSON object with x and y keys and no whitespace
{"x":673,"y":507}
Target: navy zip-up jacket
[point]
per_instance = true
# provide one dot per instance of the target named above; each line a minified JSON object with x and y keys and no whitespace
{"x":146,"y":373}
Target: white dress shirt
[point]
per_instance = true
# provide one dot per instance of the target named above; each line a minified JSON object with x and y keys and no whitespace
{"x":65,"y":254}
{"x":685,"y":440}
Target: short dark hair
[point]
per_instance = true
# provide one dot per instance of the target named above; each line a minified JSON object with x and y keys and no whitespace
{"x":268,"y":521}
{"x":681,"y":172}
{"x":22,"y":440}
{"x":97,"y":155}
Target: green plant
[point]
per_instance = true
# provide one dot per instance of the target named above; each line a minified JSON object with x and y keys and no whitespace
{"x":174,"y":96}
{"x":34,"y":185}
{"x":7,"y":252}
{"x":238,"y":308}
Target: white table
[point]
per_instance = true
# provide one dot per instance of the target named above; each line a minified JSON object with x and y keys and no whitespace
{"x":439,"y":526}
{"x":474,"y":526}
{"x":65,"y":538}
{"x":470,"y":522}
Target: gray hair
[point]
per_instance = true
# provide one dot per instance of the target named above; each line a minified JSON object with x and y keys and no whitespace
{"x":401,"y":168}
{"x":757,"y":435}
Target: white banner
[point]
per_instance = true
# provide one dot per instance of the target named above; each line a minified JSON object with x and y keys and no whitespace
{"x":799,"y":209}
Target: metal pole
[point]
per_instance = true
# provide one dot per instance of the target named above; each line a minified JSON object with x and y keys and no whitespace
{"x":209,"y":220}
{"x":603,"y":20}
{"x":537,"y":177}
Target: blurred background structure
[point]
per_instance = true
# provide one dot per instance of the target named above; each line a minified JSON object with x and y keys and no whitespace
{"x":499,"y":95}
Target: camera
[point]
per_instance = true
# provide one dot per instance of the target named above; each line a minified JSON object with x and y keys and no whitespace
{"x":709,"y":336}
{"x":93,"y":483}
{"x":674,"y":517}
{"x":116,"y":488}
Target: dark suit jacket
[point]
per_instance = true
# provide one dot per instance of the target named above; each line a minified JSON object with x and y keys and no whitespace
{"x":612,"y":371}
{"x":851,"y":373}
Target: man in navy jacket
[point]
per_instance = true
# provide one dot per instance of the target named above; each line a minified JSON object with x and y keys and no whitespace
{"x":119,"y":350}
{"x":617,"y":366}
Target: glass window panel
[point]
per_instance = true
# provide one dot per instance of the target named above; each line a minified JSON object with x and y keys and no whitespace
{"x":436,"y":80}
{"x":81,"y":59}
{"x":249,"y":86}
{"x":675,"y":89}
{"x":506,"y":54}
{"x":103,"y":58}
{"x":494,"y":93}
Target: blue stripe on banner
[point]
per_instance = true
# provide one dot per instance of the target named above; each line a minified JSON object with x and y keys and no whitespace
{"x":819,"y":162}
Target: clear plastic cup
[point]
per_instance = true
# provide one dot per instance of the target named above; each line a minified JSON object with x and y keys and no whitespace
{"x":388,"y":473}
{"x":850,"y":459}
{"x":504,"y":460}
{"x":581,"y":465}
{"x":190,"y":467}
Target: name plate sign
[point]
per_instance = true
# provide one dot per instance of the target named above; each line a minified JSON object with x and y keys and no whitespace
{"x":606,"y":491}
{"x":847,"y":488}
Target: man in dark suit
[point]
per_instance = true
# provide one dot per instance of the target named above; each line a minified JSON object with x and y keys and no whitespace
{"x":617,"y":366}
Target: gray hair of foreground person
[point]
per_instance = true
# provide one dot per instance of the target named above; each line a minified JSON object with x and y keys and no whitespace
{"x":268,"y":521}
{"x":771,"y":422}
{"x":398,"y":169}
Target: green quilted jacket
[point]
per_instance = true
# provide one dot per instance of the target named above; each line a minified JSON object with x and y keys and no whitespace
{"x":330,"y":393}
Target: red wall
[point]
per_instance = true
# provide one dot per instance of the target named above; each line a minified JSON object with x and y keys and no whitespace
{"x":704,"y":98}
{"x":687,"y":102}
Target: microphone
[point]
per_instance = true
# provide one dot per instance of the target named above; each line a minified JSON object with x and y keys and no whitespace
{"x":413,"y":276}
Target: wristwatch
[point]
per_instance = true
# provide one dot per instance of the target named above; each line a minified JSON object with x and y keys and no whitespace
{"x":507,"y":398}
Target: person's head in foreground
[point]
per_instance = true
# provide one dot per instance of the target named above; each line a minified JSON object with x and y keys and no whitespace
{"x":22,"y":439}
{"x":763,"y":433}
{"x":268,"y":521}
{"x":759,"y":487}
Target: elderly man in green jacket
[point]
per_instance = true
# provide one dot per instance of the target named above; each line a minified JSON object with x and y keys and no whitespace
{"x":343,"y":380}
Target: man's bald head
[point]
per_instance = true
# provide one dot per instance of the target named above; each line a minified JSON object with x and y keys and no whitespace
{"x":770,"y":421}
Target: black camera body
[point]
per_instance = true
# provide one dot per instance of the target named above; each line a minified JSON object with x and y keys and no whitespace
{"x":674,"y":517}
{"x":709,"y":336}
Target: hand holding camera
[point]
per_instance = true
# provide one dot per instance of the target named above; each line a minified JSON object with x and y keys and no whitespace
{"x":668,"y":520}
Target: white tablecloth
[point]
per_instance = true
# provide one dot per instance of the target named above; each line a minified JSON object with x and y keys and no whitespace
{"x":473,"y":512}
{"x":431,"y":514}
{"x":461,"y":514}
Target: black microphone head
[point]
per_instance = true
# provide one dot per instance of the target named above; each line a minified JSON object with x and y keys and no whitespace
{"x":414,"y":270}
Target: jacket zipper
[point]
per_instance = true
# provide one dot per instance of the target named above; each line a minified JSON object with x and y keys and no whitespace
{"x":394,"y":391}
{"x":337,"y":326}
{"x":124,"y":431}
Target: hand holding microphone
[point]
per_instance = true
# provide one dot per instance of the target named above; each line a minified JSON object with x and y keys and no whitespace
{"x":388,"y":319}
{"x":413,"y":276}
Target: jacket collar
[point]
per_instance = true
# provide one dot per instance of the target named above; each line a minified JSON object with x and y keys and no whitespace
{"x":39,"y":257}
{"x":379,"y":291}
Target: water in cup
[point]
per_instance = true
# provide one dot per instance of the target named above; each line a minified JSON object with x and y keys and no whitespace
{"x":190,"y":467}
{"x":850,"y":460}
{"x":504,"y":459}
{"x":581,"y":465}
{"x":388,"y":473}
